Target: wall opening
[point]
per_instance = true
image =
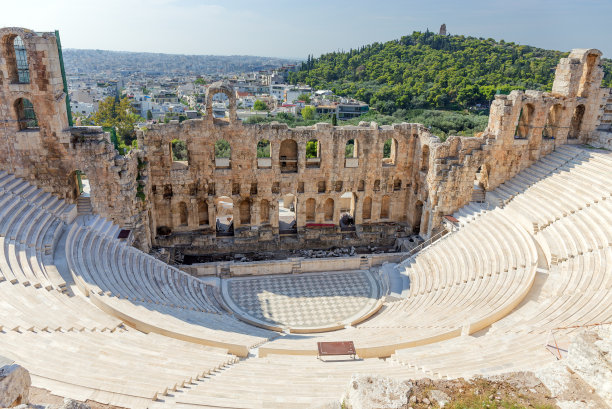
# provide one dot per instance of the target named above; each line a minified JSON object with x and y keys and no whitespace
{"x":321,"y":186}
{"x":425,"y":158}
{"x":223,"y":154}
{"x":224,"y":217}
{"x":83,"y":187}
{"x":361,"y":186}
{"x":264,"y":158}
{"x":287,"y":219}
{"x":366,"y":212}
{"x":179,"y":151}
{"x":183,"y":214}
{"x":328,"y":210}
{"x":288,"y":156}
{"x":245,"y":212}
{"x":552,"y":122}
{"x":220,"y":105}
{"x":26,"y":117}
{"x":347,"y":211}
{"x":264,"y":211}
{"x":311,"y":207}
{"x":385,"y":207}
{"x":203,"y":213}
{"x":587,"y":76}
{"x":16,"y":57}
{"x":416,"y":221}
{"x":313,"y":154}
{"x":389,"y":152}
{"x":351,"y":151}
{"x":576,"y":123}
{"x":397,"y":185}
{"x":523,"y":128}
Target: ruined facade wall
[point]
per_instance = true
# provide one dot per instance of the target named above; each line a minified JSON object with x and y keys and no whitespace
{"x":172,"y":203}
{"x":38,"y":154}
{"x":387,"y":184}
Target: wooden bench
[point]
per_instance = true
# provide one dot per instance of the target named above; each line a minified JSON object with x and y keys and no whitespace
{"x":336,"y":348}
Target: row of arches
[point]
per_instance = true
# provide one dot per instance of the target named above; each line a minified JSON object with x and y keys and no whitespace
{"x":288,"y":153}
{"x":527,"y":118}
{"x":287,"y":212}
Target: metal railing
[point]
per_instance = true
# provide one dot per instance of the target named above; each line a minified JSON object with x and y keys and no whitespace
{"x":557,"y":351}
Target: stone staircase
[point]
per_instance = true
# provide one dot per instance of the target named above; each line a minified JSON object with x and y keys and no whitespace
{"x":84,"y":206}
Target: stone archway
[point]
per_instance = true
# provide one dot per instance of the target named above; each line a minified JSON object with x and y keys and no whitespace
{"x":228,"y":90}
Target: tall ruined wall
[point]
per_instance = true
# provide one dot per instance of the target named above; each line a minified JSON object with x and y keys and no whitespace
{"x":255,"y":186}
{"x":171,"y":203}
{"x":48,"y":152}
{"x":38,"y":154}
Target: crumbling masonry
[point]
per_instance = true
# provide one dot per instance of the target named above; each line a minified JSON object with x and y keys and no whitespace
{"x":177,"y":203}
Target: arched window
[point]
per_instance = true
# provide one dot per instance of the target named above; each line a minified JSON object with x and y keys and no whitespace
{"x":311,"y":206}
{"x":183,"y":214}
{"x":366,"y":212}
{"x":245,"y":212}
{"x":425,"y":158}
{"x":288,"y":156}
{"x":389,"y":152}
{"x":523,"y":128}
{"x":328,"y":209}
{"x":203,"y":213}
{"x":313,"y":153}
{"x":576,"y":123}
{"x":385,"y":205}
{"x":223,"y":154}
{"x":264,"y":211}
{"x":26,"y":117}
{"x":17,"y":60}
{"x":552,"y":121}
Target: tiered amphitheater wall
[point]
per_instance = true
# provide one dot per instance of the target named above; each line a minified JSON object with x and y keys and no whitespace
{"x":170,"y":203}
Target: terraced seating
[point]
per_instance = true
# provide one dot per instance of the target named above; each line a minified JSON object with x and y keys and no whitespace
{"x":255,"y":382}
{"x":124,"y":367}
{"x":151,"y":295}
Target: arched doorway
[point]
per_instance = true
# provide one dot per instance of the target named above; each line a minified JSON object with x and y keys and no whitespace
{"x":347,"y":211}
{"x":418,"y":214}
{"x":287,"y":218}
{"x":224,"y":217}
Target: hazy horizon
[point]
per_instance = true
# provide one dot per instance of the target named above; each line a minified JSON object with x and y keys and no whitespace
{"x":295,"y":30}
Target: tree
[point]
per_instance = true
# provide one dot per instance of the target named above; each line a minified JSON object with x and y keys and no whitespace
{"x":308,"y":112}
{"x":260,"y":106}
{"x":334,"y":120}
{"x":179,"y":150}
{"x":118,"y":114}
{"x":311,"y":149}
{"x":149,"y":115}
{"x":200,"y":81}
{"x":304,"y":97}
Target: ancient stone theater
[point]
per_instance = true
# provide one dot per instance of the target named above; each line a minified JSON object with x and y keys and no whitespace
{"x":506,"y":247}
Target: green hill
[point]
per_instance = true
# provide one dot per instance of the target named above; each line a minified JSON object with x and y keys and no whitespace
{"x":425,"y":70}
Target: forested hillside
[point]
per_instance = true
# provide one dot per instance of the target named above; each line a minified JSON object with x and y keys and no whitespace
{"x":426,"y":70}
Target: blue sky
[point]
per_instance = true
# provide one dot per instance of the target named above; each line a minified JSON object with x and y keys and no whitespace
{"x":298,"y":28}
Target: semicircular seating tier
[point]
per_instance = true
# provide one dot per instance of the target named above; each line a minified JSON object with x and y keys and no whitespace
{"x":93,"y":318}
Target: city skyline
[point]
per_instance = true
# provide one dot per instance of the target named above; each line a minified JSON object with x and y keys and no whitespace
{"x":295,"y":30}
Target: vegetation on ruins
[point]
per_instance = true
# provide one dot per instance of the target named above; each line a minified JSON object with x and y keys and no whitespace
{"x":118,"y":114}
{"x":426,"y":70}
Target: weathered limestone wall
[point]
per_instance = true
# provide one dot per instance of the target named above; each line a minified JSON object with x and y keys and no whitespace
{"x":255,"y":187}
{"x":170,"y":203}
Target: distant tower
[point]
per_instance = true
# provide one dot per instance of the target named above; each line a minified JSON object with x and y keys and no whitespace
{"x":443,"y":30}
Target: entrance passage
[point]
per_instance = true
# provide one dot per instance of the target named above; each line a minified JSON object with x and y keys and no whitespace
{"x":287,"y":219}
{"x":224,"y":208}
